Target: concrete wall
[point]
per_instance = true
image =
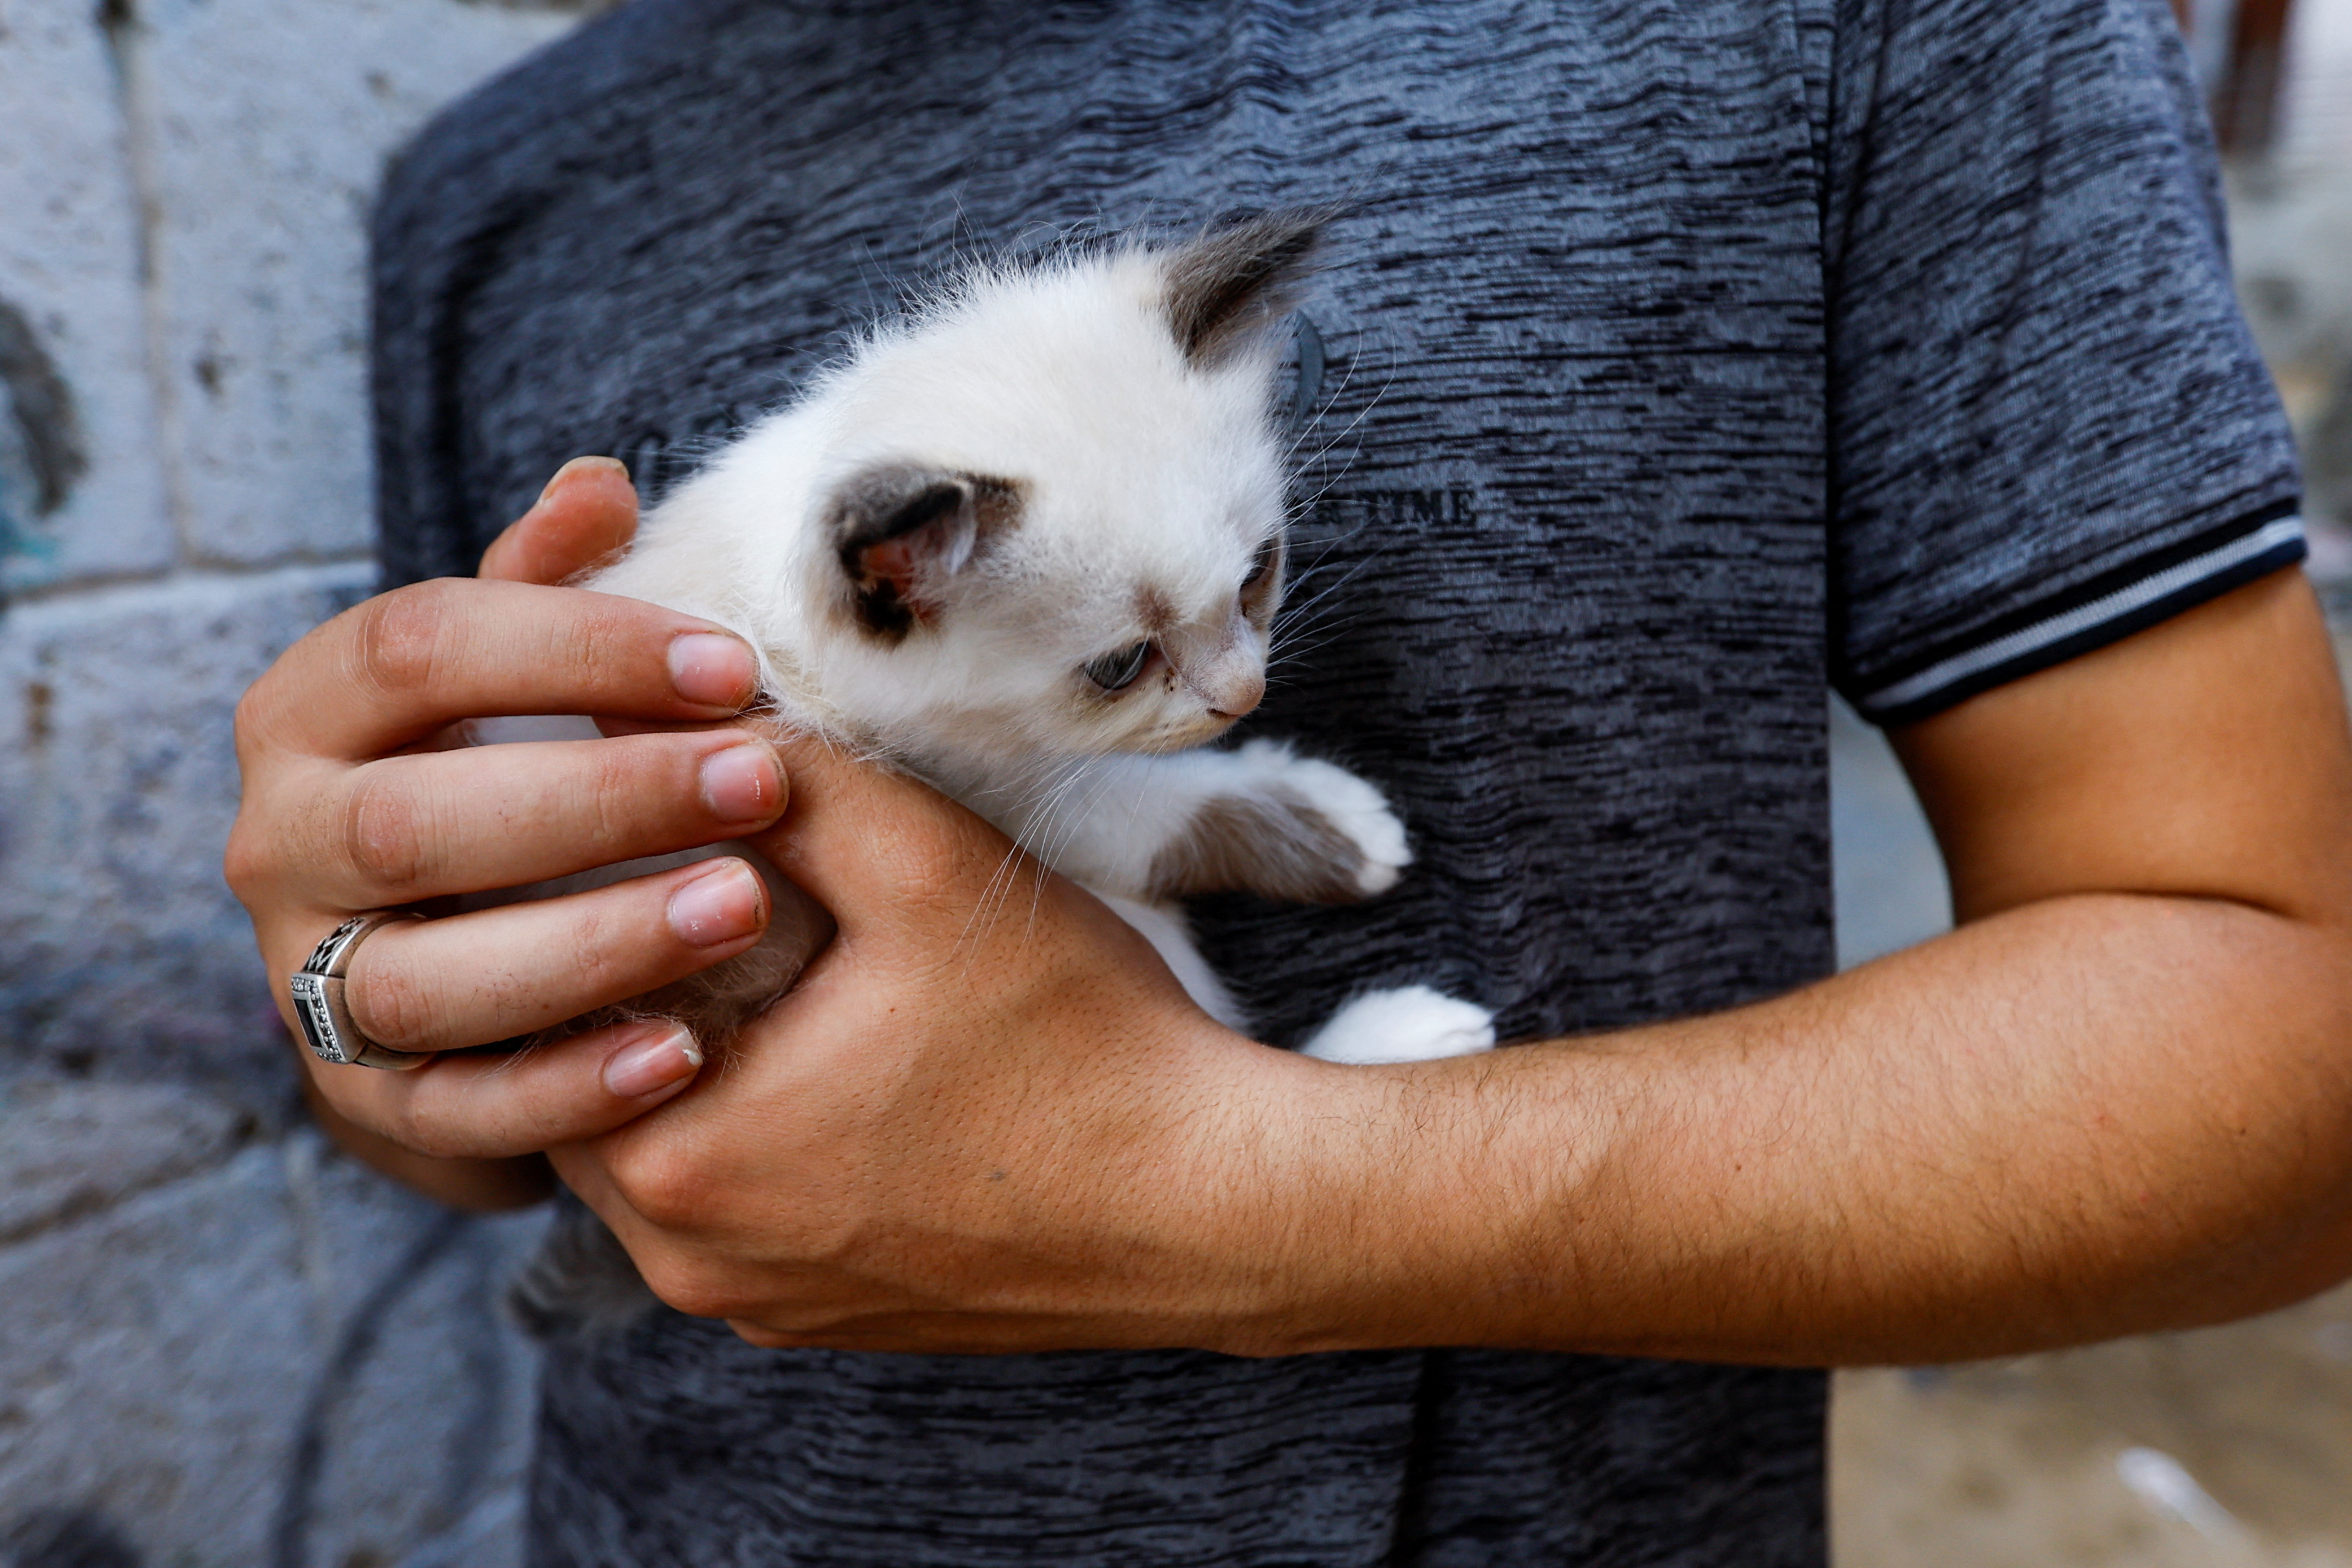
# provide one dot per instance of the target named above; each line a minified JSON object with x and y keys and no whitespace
{"x":221,"y":1343}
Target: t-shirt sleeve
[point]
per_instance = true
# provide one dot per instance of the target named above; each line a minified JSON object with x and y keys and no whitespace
{"x":2048,"y":425}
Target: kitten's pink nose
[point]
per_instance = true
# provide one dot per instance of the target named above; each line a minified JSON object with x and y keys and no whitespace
{"x":1226,"y":671}
{"x":1234,"y":696}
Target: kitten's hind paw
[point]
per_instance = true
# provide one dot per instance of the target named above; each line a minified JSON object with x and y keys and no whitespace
{"x":1412,"y":1023}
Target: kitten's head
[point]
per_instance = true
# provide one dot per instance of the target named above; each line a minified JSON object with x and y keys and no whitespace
{"x":1053,"y":504}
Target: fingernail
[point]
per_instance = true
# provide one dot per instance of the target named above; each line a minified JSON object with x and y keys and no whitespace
{"x":710,"y":669}
{"x":583,"y":465}
{"x":718,"y":906}
{"x":653,"y":1061}
{"x":740,"y":784}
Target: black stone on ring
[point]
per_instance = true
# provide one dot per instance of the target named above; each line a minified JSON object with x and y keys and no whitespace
{"x":318,"y":990}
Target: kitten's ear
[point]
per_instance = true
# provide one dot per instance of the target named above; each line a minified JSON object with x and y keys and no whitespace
{"x":902,"y":531}
{"x":1238,"y":279}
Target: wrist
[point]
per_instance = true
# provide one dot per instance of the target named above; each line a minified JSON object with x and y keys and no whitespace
{"x":1322,"y":1210}
{"x":1412,"y":1205}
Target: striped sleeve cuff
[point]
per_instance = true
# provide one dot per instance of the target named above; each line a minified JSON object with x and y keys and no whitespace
{"x":2104,"y":610}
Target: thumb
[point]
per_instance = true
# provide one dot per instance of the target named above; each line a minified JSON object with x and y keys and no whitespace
{"x":587,"y":513}
{"x":873,"y":845}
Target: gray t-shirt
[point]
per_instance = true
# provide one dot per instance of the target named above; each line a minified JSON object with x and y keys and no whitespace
{"x":1681,"y":359}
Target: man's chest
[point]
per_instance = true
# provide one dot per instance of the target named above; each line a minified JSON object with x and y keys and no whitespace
{"x":1560,"y":542}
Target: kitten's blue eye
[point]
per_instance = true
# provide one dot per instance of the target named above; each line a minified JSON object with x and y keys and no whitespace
{"x":1116,"y":672}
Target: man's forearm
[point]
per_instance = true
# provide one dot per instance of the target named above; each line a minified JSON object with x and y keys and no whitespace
{"x":2089,"y":1116}
{"x":2118,"y":1097}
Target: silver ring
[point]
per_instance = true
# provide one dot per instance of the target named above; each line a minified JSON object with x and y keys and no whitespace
{"x":318,"y":989}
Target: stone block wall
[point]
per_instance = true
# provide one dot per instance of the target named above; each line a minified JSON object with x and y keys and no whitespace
{"x":221,"y":1344}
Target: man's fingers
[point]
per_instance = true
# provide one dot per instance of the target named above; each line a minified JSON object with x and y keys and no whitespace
{"x":498,"y":1106}
{"x":586,"y":516}
{"x":402,"y":665}
{"x":531,"y":966}
{"x":435,"y":824}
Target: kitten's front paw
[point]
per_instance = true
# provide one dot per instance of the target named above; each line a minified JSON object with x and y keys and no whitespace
{"x":1281,"y":826}
{"x":1412,"y":1023}
{"x":1356,"y":812}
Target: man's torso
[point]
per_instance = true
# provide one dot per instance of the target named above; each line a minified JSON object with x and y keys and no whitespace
{"x":1562,"y":593}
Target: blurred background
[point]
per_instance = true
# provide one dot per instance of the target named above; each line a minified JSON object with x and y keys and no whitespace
{"x":2231,"y":1446}
{"x":224,"y":1346}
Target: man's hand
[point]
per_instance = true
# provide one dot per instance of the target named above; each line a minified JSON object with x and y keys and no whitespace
{"x":988,"y":1118}
{"x":2118,"y":1098}
{"x":354,"y":799}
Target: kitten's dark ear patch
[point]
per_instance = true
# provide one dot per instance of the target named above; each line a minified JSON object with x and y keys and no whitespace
{"x":1238,"y":279}
{"x":902,"y":531}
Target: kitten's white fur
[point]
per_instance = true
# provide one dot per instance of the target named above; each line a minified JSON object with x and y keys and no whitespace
{"x":1118,"y":483}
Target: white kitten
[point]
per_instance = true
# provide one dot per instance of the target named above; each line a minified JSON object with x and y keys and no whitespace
{"x":1027,"y":543}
